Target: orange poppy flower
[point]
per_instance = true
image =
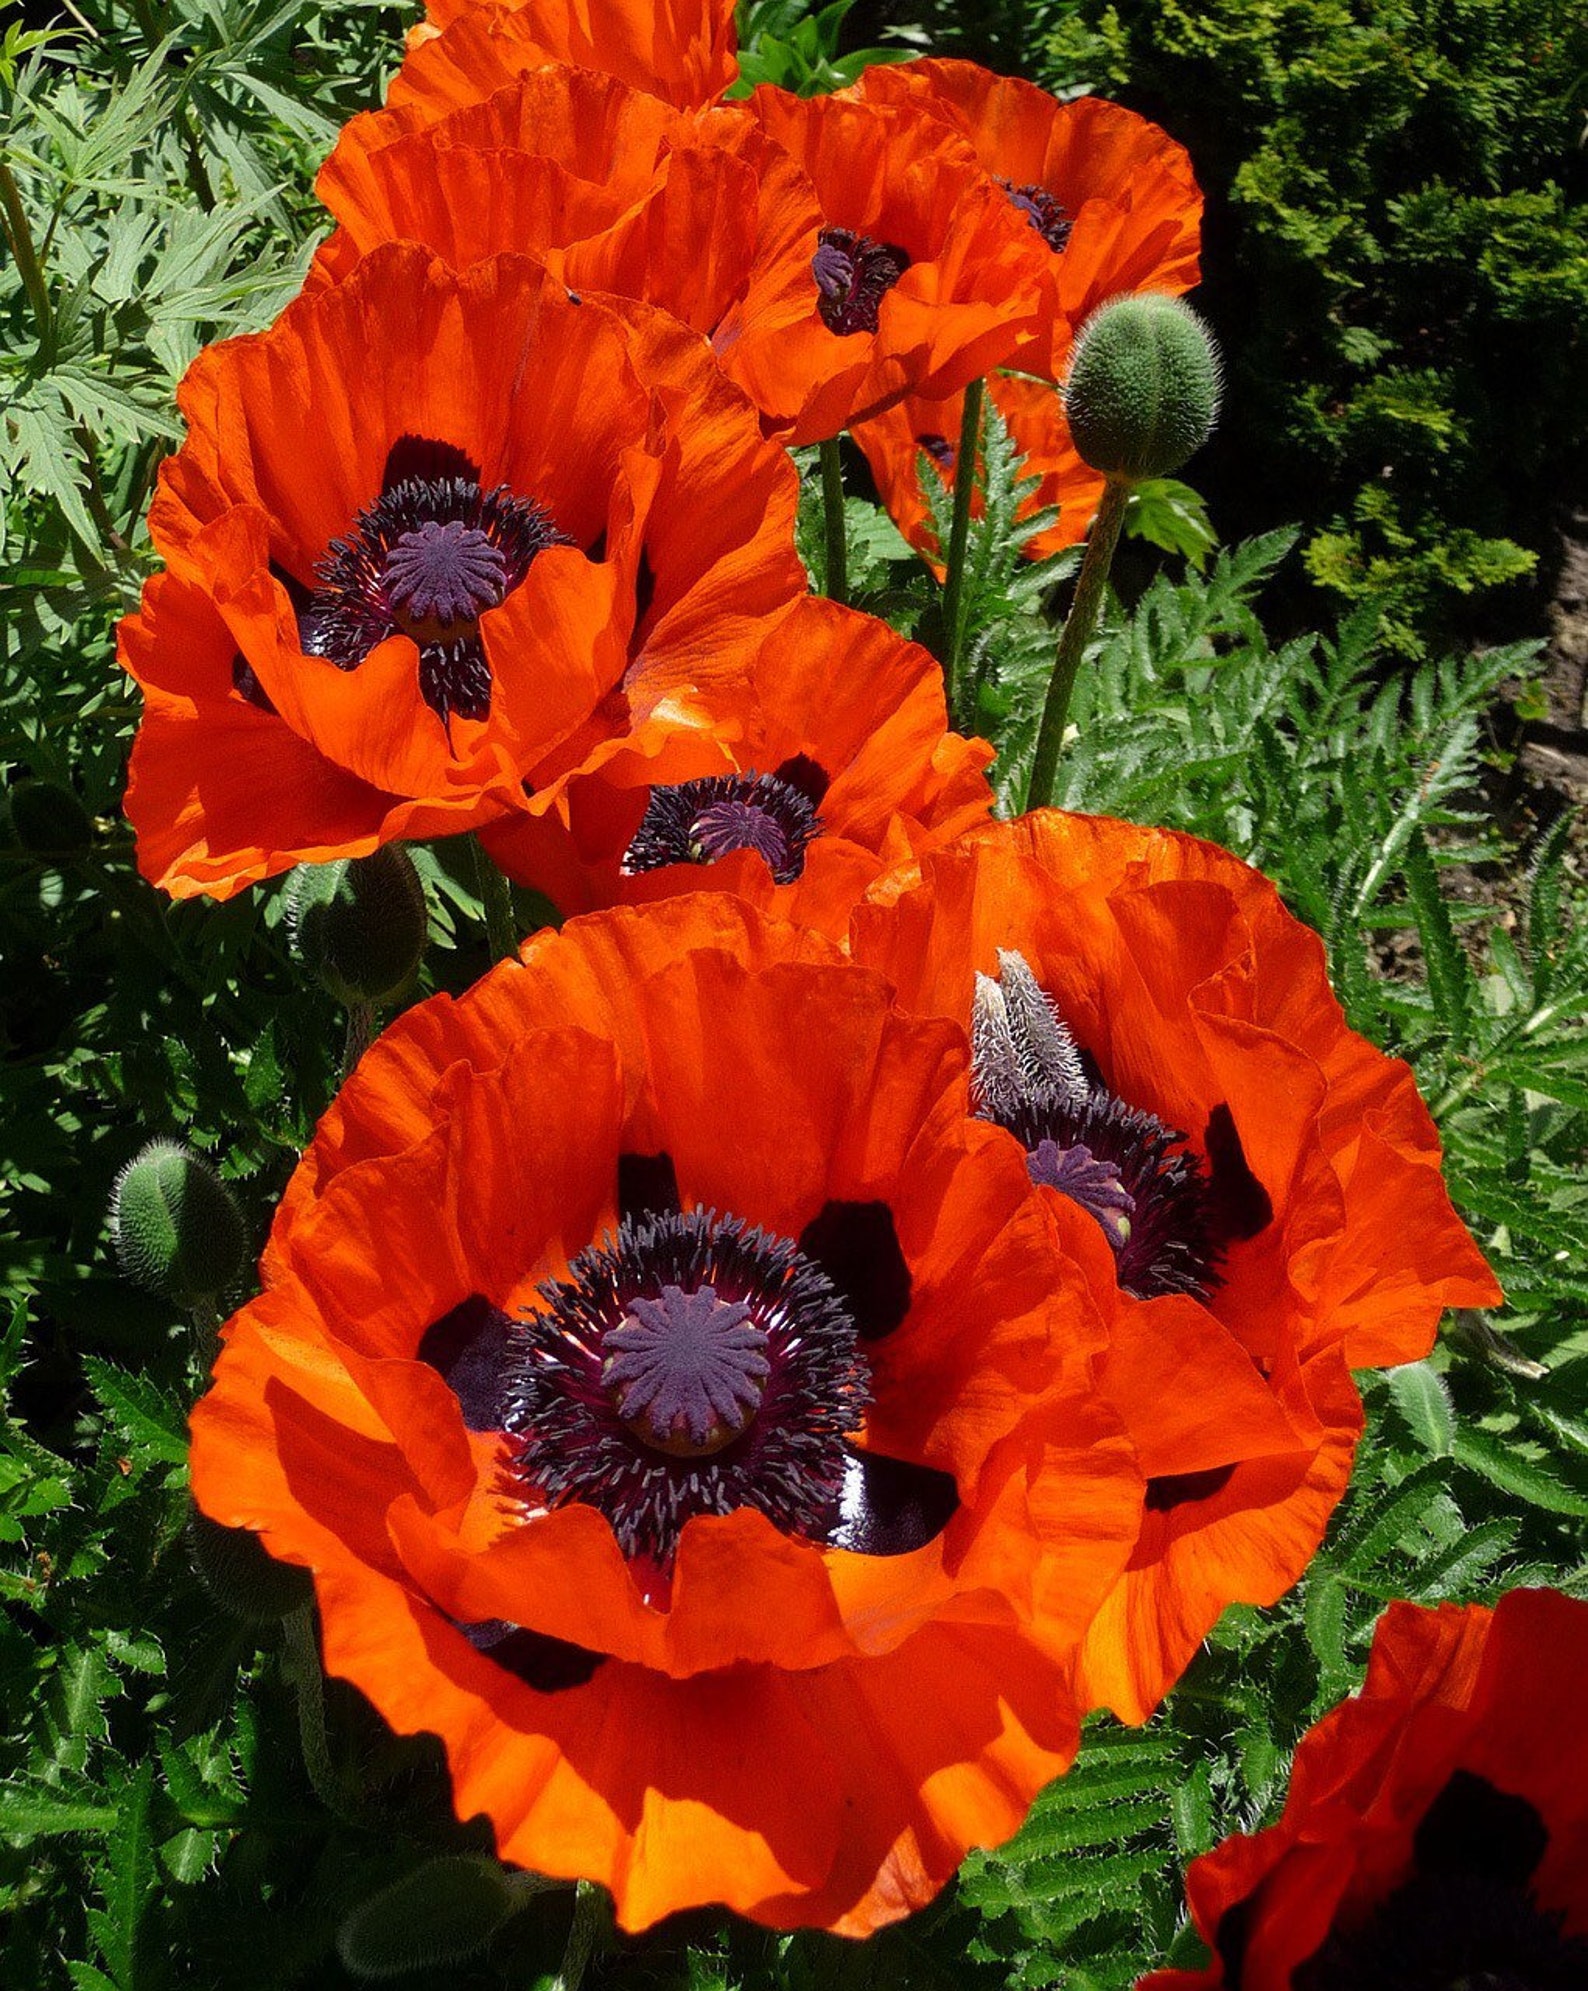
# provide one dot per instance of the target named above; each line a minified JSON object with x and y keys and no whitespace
{"x":1159,"y":1034}
{"x":920,"y":274}
{"x":914,"y":432}
{"x":680,"y":50}
{"x":827,"y":760}
{"x":1112,"y":199}
{"x":433,"y":541}
{"x":611,"y":188}
{"x":1436,"y":1831}
{"x":686,"y":1412}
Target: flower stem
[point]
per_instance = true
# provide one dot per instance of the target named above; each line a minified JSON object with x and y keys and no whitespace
{"x":19,"y":237}
{"x":833,"y":516}
{"x":958,"y":533}
{"x":1078,"y":626}
{"x":301,"y":1666}
{"x":206,"y":1318}
{"x":591,"y":1920}
{"x":360,"y":1034}
{"x":496,"y":897}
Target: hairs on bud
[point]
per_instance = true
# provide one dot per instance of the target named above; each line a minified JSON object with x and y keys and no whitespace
{"x":360,"y":923}
{"x":177,"y":1229}
{"x":1143,"y":388}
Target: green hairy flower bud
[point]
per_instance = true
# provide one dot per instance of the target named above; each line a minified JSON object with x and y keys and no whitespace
{"x":47,"y":817}
{"x":360,"y":923}
{"x":1143,"y":388}
{"x":177,"y":1230}
{"x":442,"y":1912}
{"x":240,"y":1573}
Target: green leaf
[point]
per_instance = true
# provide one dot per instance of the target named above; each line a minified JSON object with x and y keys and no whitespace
{"x":1423,"y":1400}
{"x":129,"y":1877}
{"x":140,"y":1412}
{"x":1450,"y":979}
{"x":29,"y":1812}
{"x":1516,"y":1474}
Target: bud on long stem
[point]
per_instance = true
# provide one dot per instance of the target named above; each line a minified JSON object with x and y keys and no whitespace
{"x":1142,"y":396}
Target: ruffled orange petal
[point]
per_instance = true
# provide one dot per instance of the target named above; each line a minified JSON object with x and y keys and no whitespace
{"x":1126,"y":188}
{"x":679,"y":50}
{"x":858,"y":711}
{"x":1213,"y":1535}
{"x":1448,"y":1690}
{"x":901,"y":178}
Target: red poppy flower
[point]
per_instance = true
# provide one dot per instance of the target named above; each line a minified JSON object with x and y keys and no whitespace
{"x":1159,"y":1034}
{"x":680,"y":50}
{"x":920,"y":274}
{"x":827,"y":760}
{"x":895,"y":444}
{"x":611,"y":188}
{"x":686,"y":1412}
{"x":434,"y":540}
{"x":1436,"y":1831}
{"x":1112,"y":199}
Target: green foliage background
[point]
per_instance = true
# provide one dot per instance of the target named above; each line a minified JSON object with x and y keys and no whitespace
{"x":184,"y":1801}
{"x":1397,"y":262}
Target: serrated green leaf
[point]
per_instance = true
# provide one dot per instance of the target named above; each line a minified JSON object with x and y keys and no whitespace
{"x":1516,"y":1474}
{"x":140,"y":1412}
{"x":1423,"y":1400}
{"x":29,"y":1811}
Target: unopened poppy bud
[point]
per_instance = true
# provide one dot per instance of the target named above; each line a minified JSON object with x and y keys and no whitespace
{"x":240,"y":1573}
{"x":48,"y":817}
{"x":1143,"y":388}
{"x":442,"y":1912}
{"x":176,"y":1227}
{"x":360,"y":923}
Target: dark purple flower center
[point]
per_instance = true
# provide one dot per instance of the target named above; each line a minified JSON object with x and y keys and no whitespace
{"x":686,"y":1370}
{"x":696,"y":822}
{"x":431,"y":555}
{"x":853,"y":274}
{"x":1124,"y":1167}
{"x":691,"y":1366}
{"x":1077,"y":1173}
{"x":1044,"y":213}
{"x":1466,"y":1919}
{"x":442,"y":578}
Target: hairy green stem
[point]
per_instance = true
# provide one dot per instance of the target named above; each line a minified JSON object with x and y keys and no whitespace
{"x":958,"y":535}
{"x":94,"y":492}
{"x":592,"y":1918}
{"x":496,"y":898}
{"x":206,"y":1318}
{"x":1078,"y":627}
{"x":19,"y":238}
{"x":833,"y":518}
{"x":360,"y":1034}
{"x":301,"y":1664}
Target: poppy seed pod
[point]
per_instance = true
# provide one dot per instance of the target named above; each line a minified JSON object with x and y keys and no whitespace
{"x":176,"y":1227}
{"x":360,"y":923}
{"x":1143,"y":389}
